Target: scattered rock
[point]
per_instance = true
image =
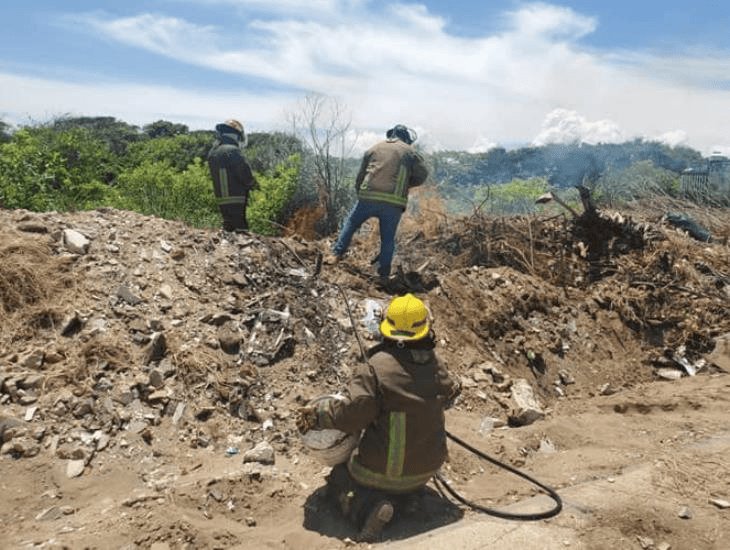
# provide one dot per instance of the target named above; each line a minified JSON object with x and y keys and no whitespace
{"x":156,"y":349}
{"x":125,"y":294}
{"x":74,"y":468}
{"x":179,"y":411}
{"x":685,"y":513}
{"x":75,"y":242}
{"x":566,"y":378}
{"x":720,"y":503}
{"x":229,"y":340}
{"x":720,"y":356}
{"x":50,"y":514}
{"x":526,"y":407}
{"x":33,"y":227}
{"x":263,"y":453}
{"x":668,"y":374}
{"x":607,"y":389}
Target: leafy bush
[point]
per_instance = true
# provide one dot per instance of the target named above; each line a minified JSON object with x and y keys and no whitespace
{"x":267,"y":205}
{"x":42,"y":169}
{"x":155,"y":188}
{"x":515,"y":197}
{"x":179,"y":150}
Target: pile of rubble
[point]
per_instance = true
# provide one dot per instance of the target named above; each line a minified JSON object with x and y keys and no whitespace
{"x":118,"y":326}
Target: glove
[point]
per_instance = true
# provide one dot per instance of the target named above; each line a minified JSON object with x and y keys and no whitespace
{"x":306,"y":419}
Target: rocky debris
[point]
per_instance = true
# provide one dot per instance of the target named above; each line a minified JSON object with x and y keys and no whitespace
{"x":720,"y":356}
{"x":526,"y":408}
{"x":263,"y":453}
{"x":722,"y":504}
{"x":74,"y":468}
{"x":124,"y":293}
{"x":32,"y":227}
{"x":156,"y":349}
{"x":668,"y":374}
{"x":72,"y":324}
{"x":685,"y":513}
{"x":75,"y":242}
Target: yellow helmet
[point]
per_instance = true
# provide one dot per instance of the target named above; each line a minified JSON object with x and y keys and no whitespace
{"x":405,"y":319}
{"x":233,"y":123}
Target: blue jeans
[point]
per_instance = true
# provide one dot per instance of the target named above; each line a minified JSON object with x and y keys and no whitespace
{"x":388,"y":218}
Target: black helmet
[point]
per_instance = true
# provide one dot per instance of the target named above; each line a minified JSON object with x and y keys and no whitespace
{"x":233,"y":126}
{"x":403,"y":133}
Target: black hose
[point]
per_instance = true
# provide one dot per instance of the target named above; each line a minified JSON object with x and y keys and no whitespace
{"x":442,"y":483}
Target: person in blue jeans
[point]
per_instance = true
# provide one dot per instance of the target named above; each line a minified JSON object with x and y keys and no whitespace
{"x":387,"y":172}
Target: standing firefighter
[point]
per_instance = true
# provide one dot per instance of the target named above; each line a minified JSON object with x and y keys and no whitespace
{"x":388,"y":170}
{"x":397,"y":400}
{"x":232,"y":176}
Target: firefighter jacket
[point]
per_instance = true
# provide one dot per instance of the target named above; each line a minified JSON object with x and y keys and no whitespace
{"x":232,"y":176}
{"x":388,"y":170}
{"x":398,"y":401}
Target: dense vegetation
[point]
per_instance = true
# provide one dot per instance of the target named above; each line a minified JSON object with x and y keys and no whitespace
{"x":160,"y":169}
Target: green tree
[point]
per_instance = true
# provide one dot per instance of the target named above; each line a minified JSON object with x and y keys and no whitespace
{"x":267,"y":207}
{"x":4,"y":132}
{"x":164,"y":128}
{"x":117,"y":135}
{"x":44,"y":169}
{"x":179,"y":151}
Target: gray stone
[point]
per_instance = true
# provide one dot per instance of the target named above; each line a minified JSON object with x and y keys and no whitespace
{"x":263,"y":453}
{"x":74,"y":468}
{"x":720,"y":356}
{"x":75,"y":242}
{"x":125,"y":294}
{"x":166,"y":291}
{"x":179,"y":411}
{"x":31,"y":381}
{"x":156,"y":379}
{"x":30,"y":413}
{"x":33,"y":360}
{"x":720,"y":503}
{"x":50,"y":514}
{"x":157,"y":348}
{"x":526,"y":408}
{"x":33,"y":227}
{"x":685,"y":513}
{"x":566,"y":378}
{"x":230,"y":340}
{"x":669,"y":374}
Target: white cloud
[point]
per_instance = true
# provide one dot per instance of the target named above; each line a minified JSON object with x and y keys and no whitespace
{"x":481,"y":145}
{"x":401,"y":64}
{"x":672,"y":138}
{"x":45,"y":99}
{"x":564,"y":126}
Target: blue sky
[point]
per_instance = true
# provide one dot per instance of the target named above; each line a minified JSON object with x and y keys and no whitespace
{"x":466,"y":75}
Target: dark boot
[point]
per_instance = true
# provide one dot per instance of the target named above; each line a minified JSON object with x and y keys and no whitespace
{"x":379,"y":516}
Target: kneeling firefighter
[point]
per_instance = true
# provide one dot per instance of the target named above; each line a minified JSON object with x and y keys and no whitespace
{"x":231,"y":173}
{"x":397,"y":401}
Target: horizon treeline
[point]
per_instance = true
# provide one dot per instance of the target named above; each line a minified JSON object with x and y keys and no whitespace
{"x":75,"y":163}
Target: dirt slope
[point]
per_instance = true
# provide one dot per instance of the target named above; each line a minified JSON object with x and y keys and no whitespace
{"x":141,"y":360}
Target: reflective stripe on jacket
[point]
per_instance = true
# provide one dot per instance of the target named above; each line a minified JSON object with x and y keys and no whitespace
{"x":388,"y":170}
{"x":231,"y":173}
{"x":399,"y":404}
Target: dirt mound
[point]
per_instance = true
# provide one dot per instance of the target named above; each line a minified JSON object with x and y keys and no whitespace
{"x":151,"y":361}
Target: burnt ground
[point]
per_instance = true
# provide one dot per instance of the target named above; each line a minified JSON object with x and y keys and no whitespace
{"x":140,"y":364}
